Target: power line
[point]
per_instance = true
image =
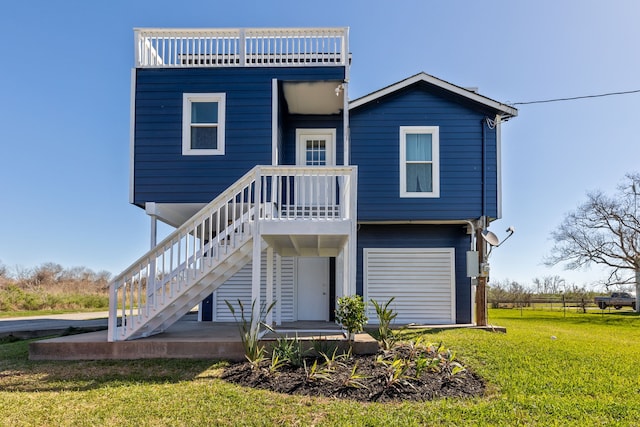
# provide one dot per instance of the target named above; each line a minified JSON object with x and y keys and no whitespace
{"x":576,"y":97}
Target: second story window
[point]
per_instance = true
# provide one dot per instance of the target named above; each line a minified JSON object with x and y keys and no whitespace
{"x":419,"y":161}
{"x":203,"y":123}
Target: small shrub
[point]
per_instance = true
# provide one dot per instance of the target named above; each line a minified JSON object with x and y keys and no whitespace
{"x":351,"y":314}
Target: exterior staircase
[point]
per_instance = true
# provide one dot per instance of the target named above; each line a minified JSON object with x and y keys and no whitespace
{"x":194,"y":260}
{"x":278,"y":206}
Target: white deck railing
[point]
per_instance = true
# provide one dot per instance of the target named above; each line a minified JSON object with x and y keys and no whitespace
{"x":211,"y":236}
{"x":254,"y":47}
{"x":306,"y":193}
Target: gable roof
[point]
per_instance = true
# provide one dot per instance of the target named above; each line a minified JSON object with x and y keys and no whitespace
{"x":503,"y":109}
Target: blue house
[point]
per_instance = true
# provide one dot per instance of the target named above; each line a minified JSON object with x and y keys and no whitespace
{"x":282,"y":190}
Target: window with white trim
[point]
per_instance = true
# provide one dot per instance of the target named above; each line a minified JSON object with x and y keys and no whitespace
{"x":419,"y":161}
{"x":203,"y":124}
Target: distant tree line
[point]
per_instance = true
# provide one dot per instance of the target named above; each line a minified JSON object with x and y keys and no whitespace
{"x":548,"y":289}
{"x":53,"y":287}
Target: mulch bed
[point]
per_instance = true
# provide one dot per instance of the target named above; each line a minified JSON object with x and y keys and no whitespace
{"x":377,"y":382}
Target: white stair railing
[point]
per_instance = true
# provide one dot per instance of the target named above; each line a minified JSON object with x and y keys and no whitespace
{"x":181,"y":260}
{"x":160,"y":285}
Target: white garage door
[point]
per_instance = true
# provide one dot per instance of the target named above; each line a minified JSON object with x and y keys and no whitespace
{"x":421,"y":280}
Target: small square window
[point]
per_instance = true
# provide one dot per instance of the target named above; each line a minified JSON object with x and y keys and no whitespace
{"x":419,"y":161}
{"x":203,"y":124}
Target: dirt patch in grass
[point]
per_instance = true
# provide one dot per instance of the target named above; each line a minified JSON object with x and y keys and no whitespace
{"x":401,"y":374}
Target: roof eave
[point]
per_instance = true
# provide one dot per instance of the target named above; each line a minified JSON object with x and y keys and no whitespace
{"x":503,"y":110}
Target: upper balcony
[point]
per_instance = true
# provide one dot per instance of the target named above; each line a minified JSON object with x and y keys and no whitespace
{"x":254,"y":47}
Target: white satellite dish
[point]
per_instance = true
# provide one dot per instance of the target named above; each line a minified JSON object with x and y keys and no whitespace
{"x":491,"y":238}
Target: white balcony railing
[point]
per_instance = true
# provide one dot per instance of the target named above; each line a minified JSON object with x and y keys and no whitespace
{"x":255,"y":47}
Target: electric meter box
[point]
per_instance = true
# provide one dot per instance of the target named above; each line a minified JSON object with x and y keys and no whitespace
{"x":473,"y":264}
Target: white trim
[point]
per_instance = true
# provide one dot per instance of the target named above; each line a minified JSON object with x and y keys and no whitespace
{"x":434,"y":131}
{"x":274,"y":122}
{"x":187,"y":99}
{"x":506,"y":110}
{"x":420,"y":221}
{"x":326,"y":132}
{"x":132,"y":132}
{"x":269,"y":285}
{"x":450,"y":252}
{"x":346,"y":143}
{"x":499,"y":164}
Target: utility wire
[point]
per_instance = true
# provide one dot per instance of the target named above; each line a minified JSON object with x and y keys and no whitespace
{"x":576,"y":97}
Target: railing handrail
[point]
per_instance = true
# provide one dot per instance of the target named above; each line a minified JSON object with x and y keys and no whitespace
{"x":317,"y":170}
{"x":247,"y":31}
{"x":243,"y":47}
{"x":188,"y":224}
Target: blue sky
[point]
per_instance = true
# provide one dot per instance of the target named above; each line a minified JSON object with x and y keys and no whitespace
{"x":65,"y":97}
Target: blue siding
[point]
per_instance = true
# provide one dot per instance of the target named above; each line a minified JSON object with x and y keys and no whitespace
{"x":161,"y":173}
{"x":375,"y":130}
{"x":422,"y":236}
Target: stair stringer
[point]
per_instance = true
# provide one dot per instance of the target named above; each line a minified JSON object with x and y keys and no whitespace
{"x":196,"y":293}
{"x":162,"y":317}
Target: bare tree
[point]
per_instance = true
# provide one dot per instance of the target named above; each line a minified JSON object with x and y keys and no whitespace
{"x":549,"y":284}
{"x":604,"y":230}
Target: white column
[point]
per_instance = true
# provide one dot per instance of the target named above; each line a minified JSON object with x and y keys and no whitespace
{"x":346,"y":269}
{"x":151,"y":279}
{"x":257,"y":252}
{"x":278,"y":289}
{"x":255,"y":277}
{"x":269,"y":296}
{"x":352,"y":256}
{"x":274,"y":122}
{"x":154,"y":231}
{"x":340,"y":275}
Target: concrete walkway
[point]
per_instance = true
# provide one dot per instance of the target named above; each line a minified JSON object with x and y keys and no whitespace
{"x":51,"y":324}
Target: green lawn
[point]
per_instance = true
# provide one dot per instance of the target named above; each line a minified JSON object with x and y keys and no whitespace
{"x":587,"y":375}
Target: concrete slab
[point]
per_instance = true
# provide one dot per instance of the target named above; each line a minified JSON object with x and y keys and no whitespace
{"x":186,"y":339}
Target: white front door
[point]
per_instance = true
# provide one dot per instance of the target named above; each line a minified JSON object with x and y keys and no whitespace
{"x":312,"y":288}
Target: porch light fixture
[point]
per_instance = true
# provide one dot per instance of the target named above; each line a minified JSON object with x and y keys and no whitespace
{"x":339,"y":89}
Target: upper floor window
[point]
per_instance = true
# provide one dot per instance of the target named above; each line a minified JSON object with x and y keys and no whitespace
{"x":419,"y":161}
{"x":203,"y":123}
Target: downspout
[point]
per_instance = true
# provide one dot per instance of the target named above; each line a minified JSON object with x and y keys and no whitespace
{"x":473,"y":233}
